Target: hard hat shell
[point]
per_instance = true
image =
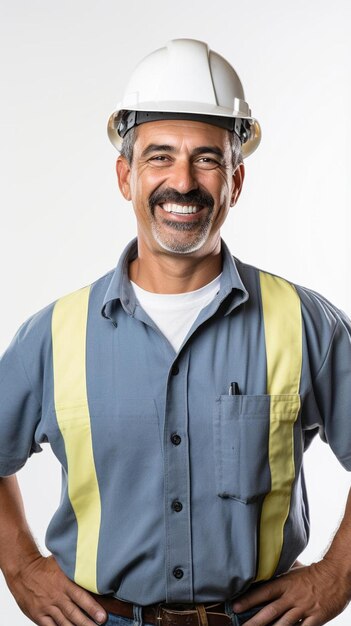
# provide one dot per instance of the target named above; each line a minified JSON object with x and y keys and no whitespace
{"x":186,"y":77}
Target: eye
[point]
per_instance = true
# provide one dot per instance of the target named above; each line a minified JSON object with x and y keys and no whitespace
{"x":207,"y":163}
{"x":159,"y":159}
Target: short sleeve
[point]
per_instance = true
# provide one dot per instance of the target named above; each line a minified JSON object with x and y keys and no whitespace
{"x":23,"y":380}
{"x":331,"y":391}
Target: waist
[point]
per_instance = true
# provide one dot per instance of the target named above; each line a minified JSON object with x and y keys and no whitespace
{"x":162,"y":614}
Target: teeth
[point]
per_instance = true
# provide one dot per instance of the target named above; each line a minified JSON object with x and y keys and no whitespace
{"x":179,"y":208}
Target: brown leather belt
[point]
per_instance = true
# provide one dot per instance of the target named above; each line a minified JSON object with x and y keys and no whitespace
{"x":169,"y":614}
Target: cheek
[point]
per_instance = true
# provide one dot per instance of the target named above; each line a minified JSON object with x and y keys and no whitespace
{"x":143,"y":185}
{"x":222,"y":195}
{"x":226,"y":198}
{"x":226,"y":191}
{"x":218,"y":185}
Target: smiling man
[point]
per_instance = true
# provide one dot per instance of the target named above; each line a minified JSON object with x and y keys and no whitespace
{"x":183,"y":180}
{"x":179,"y":393}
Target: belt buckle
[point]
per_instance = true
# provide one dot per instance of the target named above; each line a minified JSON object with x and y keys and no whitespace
{"x":174,"y":613}
{"x":172,"y":610}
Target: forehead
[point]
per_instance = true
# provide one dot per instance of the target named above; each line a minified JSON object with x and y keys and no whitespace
{"x":181,"y":132}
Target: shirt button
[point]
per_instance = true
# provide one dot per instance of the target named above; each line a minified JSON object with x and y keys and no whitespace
{"x":177,"y":506}
{"x":178,"y":573}
{"x":175,"y":370}
{"x":175,"y":439}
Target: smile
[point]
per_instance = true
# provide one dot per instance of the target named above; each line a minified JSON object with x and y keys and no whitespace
{"x":185,"y":209}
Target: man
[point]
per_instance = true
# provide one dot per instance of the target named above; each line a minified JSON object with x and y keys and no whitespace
{"x":179,"y":393}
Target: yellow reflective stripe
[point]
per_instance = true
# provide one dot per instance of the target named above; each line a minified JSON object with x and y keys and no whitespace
{"x":283,"y":336}
{"x":69,"y":324}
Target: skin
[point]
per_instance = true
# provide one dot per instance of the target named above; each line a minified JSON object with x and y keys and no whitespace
{"x":173,"y":259}
{"x":308,"y":595}
{"x":39,"y":586}
{"x":181,"y":169}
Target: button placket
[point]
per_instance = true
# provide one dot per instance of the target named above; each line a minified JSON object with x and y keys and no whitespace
{"x":177,"y":486}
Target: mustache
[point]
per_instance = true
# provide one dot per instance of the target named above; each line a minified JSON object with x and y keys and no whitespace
{"x":195,"y":196}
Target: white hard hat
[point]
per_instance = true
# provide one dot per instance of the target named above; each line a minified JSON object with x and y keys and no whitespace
{"x":185,"y":80}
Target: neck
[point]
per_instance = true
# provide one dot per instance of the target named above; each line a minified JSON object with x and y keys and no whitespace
{"x":161,"y":272}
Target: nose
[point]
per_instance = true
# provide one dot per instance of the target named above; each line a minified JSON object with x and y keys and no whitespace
{"x":182,"y":176}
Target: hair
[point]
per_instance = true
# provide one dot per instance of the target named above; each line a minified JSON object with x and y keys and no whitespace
{"x":130,"y":137}
{"x":128,"y":145}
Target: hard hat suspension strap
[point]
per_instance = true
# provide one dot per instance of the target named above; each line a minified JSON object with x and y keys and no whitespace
{"x":128,"y":119}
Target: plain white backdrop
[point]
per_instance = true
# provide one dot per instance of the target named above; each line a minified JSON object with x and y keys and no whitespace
{"x":63,"y":223}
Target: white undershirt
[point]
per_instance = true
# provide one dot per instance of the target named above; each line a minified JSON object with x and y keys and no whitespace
{"x":175,"y":313}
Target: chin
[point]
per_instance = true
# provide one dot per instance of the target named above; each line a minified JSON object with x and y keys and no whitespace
{"x":179,"y":247}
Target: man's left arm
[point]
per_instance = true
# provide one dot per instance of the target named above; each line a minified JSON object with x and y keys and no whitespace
{"x":310,"y":595}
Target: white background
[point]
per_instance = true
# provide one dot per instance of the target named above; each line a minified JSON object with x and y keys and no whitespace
{"x":63,"y":222}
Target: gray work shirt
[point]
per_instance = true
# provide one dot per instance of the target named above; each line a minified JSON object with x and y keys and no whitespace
{"x":166,"y":534}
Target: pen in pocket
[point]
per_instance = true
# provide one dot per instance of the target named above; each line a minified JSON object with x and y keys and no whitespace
{"x":234,"y":389}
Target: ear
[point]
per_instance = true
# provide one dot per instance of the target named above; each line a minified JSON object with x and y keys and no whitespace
{"x":238,"y":180}
{"x":123,"y":177}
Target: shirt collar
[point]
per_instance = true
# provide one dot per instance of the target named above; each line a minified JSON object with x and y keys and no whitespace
{"x":120,"y":289}
{"x":231,"y":283}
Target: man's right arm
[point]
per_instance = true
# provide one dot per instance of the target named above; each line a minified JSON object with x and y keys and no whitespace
{"x":39,"y":586}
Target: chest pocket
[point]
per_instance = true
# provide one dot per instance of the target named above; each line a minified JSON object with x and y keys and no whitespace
{"x":254,"y":435}
{"x":241,"y":435}
{"x":244,"y":427}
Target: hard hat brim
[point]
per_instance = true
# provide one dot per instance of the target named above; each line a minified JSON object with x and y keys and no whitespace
{"x":247,"y":148}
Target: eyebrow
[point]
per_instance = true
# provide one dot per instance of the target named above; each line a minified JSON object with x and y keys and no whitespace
{"x":154,"y":147}
{"x":208,"y":150}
